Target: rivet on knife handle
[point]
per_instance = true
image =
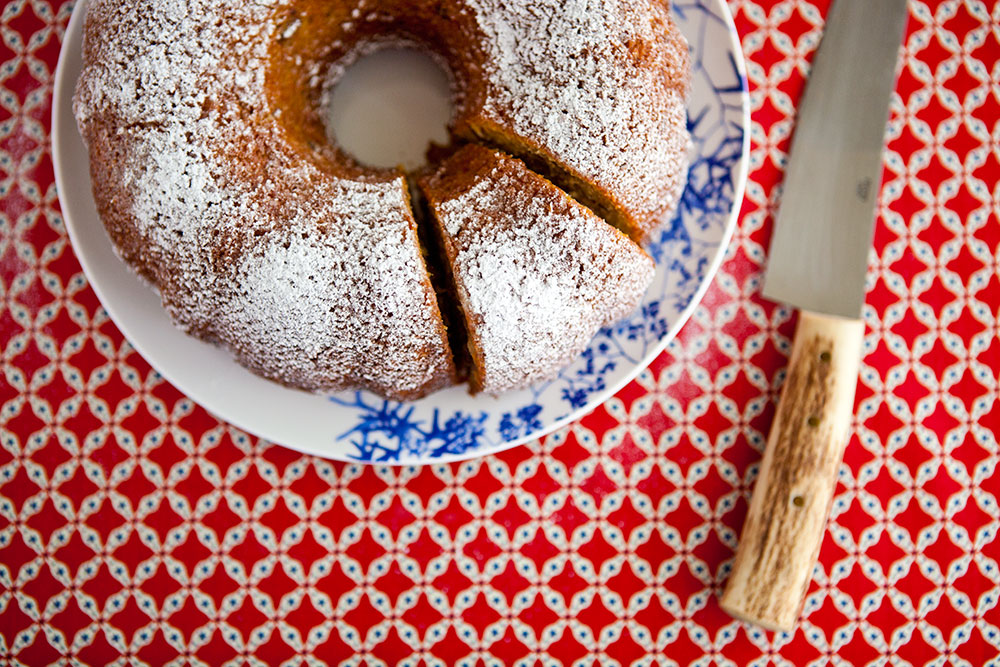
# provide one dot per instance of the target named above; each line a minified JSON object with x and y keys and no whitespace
{"x":787,"y":517}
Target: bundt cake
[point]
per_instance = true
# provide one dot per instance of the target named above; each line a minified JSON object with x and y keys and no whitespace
{"x":215,"y":177}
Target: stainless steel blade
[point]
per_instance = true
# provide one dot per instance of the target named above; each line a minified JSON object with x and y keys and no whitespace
{"x":819,"y":250}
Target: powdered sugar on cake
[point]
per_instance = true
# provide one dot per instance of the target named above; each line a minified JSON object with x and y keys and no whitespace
{"x":537,"y":273}
{"x":323,"y":290}
{"x":599,"y":85}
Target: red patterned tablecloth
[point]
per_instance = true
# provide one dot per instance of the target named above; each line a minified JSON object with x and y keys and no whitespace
{"x":136,"y":527}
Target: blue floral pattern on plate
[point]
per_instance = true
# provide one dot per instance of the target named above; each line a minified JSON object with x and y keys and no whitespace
{"x":452,"y":425}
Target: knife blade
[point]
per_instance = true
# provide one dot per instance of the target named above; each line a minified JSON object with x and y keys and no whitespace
{"x":817,"y":262}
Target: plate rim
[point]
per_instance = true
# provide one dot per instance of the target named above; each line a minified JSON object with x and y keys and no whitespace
{"x":741,"y":173}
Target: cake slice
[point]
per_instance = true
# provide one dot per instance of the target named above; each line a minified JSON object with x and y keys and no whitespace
{"x":535,"y":273}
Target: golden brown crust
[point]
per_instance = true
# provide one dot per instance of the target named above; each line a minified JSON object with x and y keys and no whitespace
{"x":645,"y":73}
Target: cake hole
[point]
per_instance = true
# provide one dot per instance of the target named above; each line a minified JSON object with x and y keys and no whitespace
{"x":389,"y":106}
{"x":798,"y":501}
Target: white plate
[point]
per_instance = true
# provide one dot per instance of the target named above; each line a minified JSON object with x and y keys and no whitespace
{"x":449,"y":424}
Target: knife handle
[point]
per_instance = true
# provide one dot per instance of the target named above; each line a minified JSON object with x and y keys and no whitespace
{"x":791,"y":501}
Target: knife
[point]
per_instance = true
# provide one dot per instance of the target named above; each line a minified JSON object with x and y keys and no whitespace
{"x":817,"y":263}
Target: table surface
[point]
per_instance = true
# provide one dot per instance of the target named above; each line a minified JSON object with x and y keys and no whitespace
{"x":134,"y":525}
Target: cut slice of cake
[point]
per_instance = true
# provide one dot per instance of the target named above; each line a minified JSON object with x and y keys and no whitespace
{"x":536,"y":274}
